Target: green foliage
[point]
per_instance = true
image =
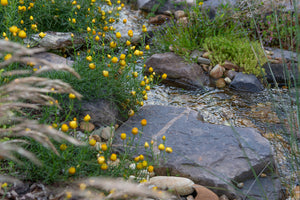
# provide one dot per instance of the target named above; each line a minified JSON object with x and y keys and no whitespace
{"x":240,"y":51}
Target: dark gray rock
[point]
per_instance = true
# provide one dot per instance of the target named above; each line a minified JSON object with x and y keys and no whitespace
{"x":210,"y":155}
{"x":179,"y":72}
{"x":246,"y":83}
{"x":102,"y":112}
{"x":264,"y":188}
{"x":282,"y":73}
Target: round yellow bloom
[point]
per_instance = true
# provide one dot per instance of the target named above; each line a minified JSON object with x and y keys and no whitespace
{"x":112,"y":44}
{"x":92,"y":65}
{"x":104,"y":166}
{"x":88,"y":29}
{"x":73,"y":20}
{"x":97,"y":38}
{"x":147,"y":88}
{"x":150,"y":168}
{"x":7,"y":56}
{"x":72,"y":96}
{"x":150,"y":69}
{"x":141,"y":157}
{"x":114,"y":60}
{"x":164,"y":76}
{"x":22,"y":34}
{"x":92,"y":142}
{"x":42,"y":34}
{"x":74,"y":2}
{"x":122,"y":62}
{"x":4,"y":2}
{"x":135,"y":74}
{"x":161,"y":147}
{"x":128,"y":43}
{"x":141,"y":53}
{"x":136,"y":53}
{"x":72,"y":170}
{"x":63,"y":147}
{"x":113,"y":157}
{"x":4,"y":185}
{"x":122,"y":56}
{"x":169,"y":150}
{"x":33,"y":26}
{"x":144,"y":122}
{"x":133,"y":93}
{"x":73,"y":124}
{"x":123,"y":136}
{"x":141,"y":103}
{"x":13,"y":29}
{"x":89,"y":58}
{"x":105,"y":73}
{"x":104,"y":147}
{"x":139,"y":165}
{"x":145,"y":97}
{"x":124,"y":21}
{"x":118,"y":35}
{"x":144,"y":163}
{"x":64,"y":127}
{"x":31,"y":18}
{"x":100,"y":160}
{"x":147,"y":47}
{"x":130,"y":113}
{"x":68,"y":195}
{"x":135,"y":130}
{"x":146,"y":145}
{"x":87,"y":118}
{"x":136,"y":159}
{"x":130,"y":33}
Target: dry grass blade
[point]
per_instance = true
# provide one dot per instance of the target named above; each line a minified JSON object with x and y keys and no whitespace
{"x":121,"y":188}
{"x":8,"y":148}
{"x":9,"y":179}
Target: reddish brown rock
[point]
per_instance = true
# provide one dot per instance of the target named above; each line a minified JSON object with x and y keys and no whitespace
{"x":217,"y":71}
{"x":87,"y":126}
{"x":220,"y":83}
{"x":229,"y":65}
{"x":158,"y":19}
{"x":204,"y":194}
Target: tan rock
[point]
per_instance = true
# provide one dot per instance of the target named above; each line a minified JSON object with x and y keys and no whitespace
{"x":179,"y":14}
{"x":107,"y":133}
{"x":87,"y":126}
{"x":223,"y":197}
{"x":217,"y":71}
{"x":229,"y":65}
{"x":206,"y":55}
{"x":183,"y":21}
{"x":204,"y":194}
{"x":220,"y":83}
{"x":95,"y":137}
{"x":158,"y":19}
{"x":180,"y":185}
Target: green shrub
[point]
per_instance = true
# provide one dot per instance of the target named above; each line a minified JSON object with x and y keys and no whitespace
{"x":240,"y":51}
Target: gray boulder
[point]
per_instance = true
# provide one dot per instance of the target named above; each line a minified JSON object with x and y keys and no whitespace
{"x":179,"y":72}
{"x":246,"y":83}
{"x":210,"y":155}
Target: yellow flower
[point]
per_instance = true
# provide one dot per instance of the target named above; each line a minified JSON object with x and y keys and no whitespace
{"x":133,"y":93}
{"x":141,"y":157}
{"x":104,"y":147}
{"x":169,"y":150}
{"x":144,"y":163}
{"x":124,"y":21}
{"x":135,"y":130}
{"x":147,"y":47}
{"x":147,"y":88}
{"x":13,"y":29}
{"x":141,"y":103}
{"x":73,"y":20}
{"x":113,"y":157}
{"x":4,"y":185}
{"x":88,"y":29}
{"x":142,"y":83}
{"x":74,"y":2}
{"x":130,"y":113}
{"x":68,"y":195}
{"x":130,"y":33}
{"x":136,"y":53}
{"x":92,"y":142}
{"x":146,"y":145}
{"x":104,"y":166}
{"x":135,"y":74}
{"x":112,"y":44}
{"x":97,"y":38}
{"x":100,"y":160}
{"x":54,"y":125}
{"x":128,"y":43}
{"x":105,"y":73}
{"x":145,"y":97}
{"x":161,"y":147}
{"x":141,"y":53}
{"x":7,"y":56}
{"x":82,"y":186}
{"x":89,"y":58}
{"x":72,"y":170}
{"x":78,"y":7}
{"x":200,"y":3}
{"x":139,"y":165}
{"x":64,"y":127}
{"x":92,"y":65}
{"x":123,"y":136}
{"x":118,"y":35}
{"x":136,"y":159}
{"x":73,"y":124}
{"x":163,"y":137}
{"x":87,"y":118}
{"x":144,"y":122}
{"x":4,"y":2}
{"x":164,"y":76}
{"x":122,"y":56}
{"x":42,"y":34}
{"x":33,"y":26}
{"x":114,"y":60}
{"x":63,"y":147}
{"x":22,"y":34}
{"x":150,"y":69}
{"x":31,"y":18}
{"x":119,"y":8}
{"x":150,"y":168}
{"x":72,"y":96}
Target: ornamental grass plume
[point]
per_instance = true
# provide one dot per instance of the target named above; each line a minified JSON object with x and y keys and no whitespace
{"x":28,"y":92}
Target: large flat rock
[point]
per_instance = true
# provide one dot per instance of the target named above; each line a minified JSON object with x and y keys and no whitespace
{"x":210,"y":155}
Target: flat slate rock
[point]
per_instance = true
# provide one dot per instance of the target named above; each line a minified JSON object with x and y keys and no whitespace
{"x":210,"y":155}
{"x":246,"y":83}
